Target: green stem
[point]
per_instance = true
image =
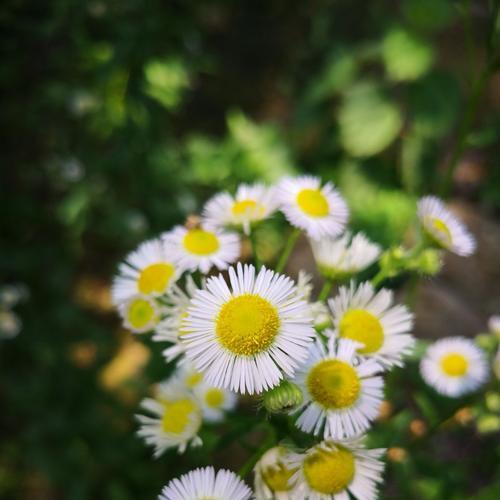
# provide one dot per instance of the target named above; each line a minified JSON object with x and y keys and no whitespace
{"x":327,"y":286}
{"x":465,"y":125}
{"x":254,"y":458}
{"x":253,"y":242}
{"x":379,"y":277}
{"x":290,"y":244}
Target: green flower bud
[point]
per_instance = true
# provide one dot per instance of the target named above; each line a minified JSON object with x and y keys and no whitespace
{"x":493,"y":401}
{"x":488,"y":423}
{"x":429,"y":262}
{"x":283,"y":398}
{"x":486,"y":341}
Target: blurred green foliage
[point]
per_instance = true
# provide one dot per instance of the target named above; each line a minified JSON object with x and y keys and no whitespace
{"x":120,"y":118}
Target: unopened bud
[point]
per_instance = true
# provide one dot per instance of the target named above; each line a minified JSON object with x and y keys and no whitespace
{"x":429,"y":262}
{"x":192,"y":221}
{"x":396,"y":454}
{"x":283,"y":398}
{"x":418,"y":428}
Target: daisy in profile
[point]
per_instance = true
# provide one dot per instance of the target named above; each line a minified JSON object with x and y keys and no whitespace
{"x":318,"y":310}
{"x":337,"y":471}
{"x":319,"y":211}
{"x":149,"y":270}
{"x":341,"y":258}
{"x":443,"y":228}
{"x":206,"y":484}
{"x":251,"y":204}
{"x":214,"y":402}
{"x":342,"y":395}
{"x":175,"y":309}
{"x":175,"y":421}
{"x":272,"y":476}
{"x":201,"y":248}
{"x":454,"y":366}
{"x":370,"y":318}
{"x":244,"y":336}
{"x":139,"y":313}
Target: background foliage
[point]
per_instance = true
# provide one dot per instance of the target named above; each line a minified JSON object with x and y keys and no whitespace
{"x":120,"y":118}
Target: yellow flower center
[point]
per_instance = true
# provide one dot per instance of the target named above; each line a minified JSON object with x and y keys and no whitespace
{"x":334,"y":384}
{"x":441,"y":230}
{"x":363,"y":327}
{"x":247,"y":324}
{"x":193,"y":379}
{"x":329,"y":471}
{"x":454,"y":364}
{"x":140,"y":313}
{"x":155,"y":278}
{"x":201,"y":242}
{"x":277,"y":477}
{"x":214,"y":398}
{"x":177,"y":415}
{"x":248,"y":208}
{"x":313,"y":202}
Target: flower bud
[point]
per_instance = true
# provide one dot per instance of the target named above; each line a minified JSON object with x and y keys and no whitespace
{"x":429,"y":262}
{"x":283,"y":398}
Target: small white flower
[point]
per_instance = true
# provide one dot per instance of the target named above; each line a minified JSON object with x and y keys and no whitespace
{"x":214,"y":402}
{"x":319,"y":211}
{"x":149,"y":270}
{"x":272,"y":476}
{"x":170,"y":328}
{"x":206,"y":484}
{"x":247,"y":336}
{"x":454,"y":366}
{"x":446,"y":230}
{"x":341,"y":258}
{"x":139,"y":313}
{"x":368,"y":317}
{"x":342,"y":395}
{"x":251,"y":204}
{"x":494,"y":325}
{"x":336,"y":471}
{"x":201,"y":248}
{"x":176,"y":419}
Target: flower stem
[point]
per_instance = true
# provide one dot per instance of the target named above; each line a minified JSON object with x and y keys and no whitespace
{"x":327,"y":286}
{"x":287,"y":250}
{"x":254,"y":458}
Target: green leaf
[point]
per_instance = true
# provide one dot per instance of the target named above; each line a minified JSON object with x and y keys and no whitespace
{"x":368,"y":121}
{"x":166,"y":81}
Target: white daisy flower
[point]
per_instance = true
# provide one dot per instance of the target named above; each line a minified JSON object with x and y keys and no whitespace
{"x":176,"y":419}
{"x":171,"y":327}
{"x":446,"y":230}
{"x":336,"y":471}
{"x":139,"y":313}
{"x":454,"y":366}
{"x":214,"y":402}
{"x":342,"y":395}
{"x":319,"y":211}
{"x":272,"y":476}
{"x":149,"y":270}
{"x":341,"y":258}
{"x":202,"y":248}
{"x":318,"y":310}
{"x":188,"y":375}
{"x":206,"y":484}
{"x":244,"y":337}
{"x":251,"y":204}
{"x":369,"y":318}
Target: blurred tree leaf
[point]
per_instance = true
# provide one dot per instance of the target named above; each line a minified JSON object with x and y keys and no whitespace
{"x":368,"y":121}
{"x":428,"y":15}
{"x":406,"y":56}
{"x":166,"y":81}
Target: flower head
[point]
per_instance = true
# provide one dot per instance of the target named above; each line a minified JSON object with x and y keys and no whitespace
{"x":214,"y":401}
{"x":202,"y":248}
{"x":251,"y":204}
{"x":333,"y":470}
{"x":140,"y":313}
{"x":245,"y":336}
{"x":454,"y":366}
{"x":342,"y":395}
{"x":370,"y":318}
{"x":206,"y":484}
{"x":319,"y":210}
{"x":446,"y":230}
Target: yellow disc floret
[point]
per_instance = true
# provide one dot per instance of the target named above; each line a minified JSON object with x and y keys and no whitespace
{"x":334,"y":384}
{"x":155,"y":278}
{"x":277,"y":477}
{"x":247,"y":208}
{"x":140,"y":313}
{"x":313,"y":202}
{"x":247,"y":324}
{"x":178,"y":415}
{"x":201,"y":242}
{"x":439,"y":231}
{"x":454,"y":364}
{"x":329,"y":471}
{"x":193,"y":379}
{"x":363,"y":327}
{"x":214,"y":398}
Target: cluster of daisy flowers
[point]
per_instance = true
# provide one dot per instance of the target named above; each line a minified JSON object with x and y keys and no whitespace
{"x":237,"y":328}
